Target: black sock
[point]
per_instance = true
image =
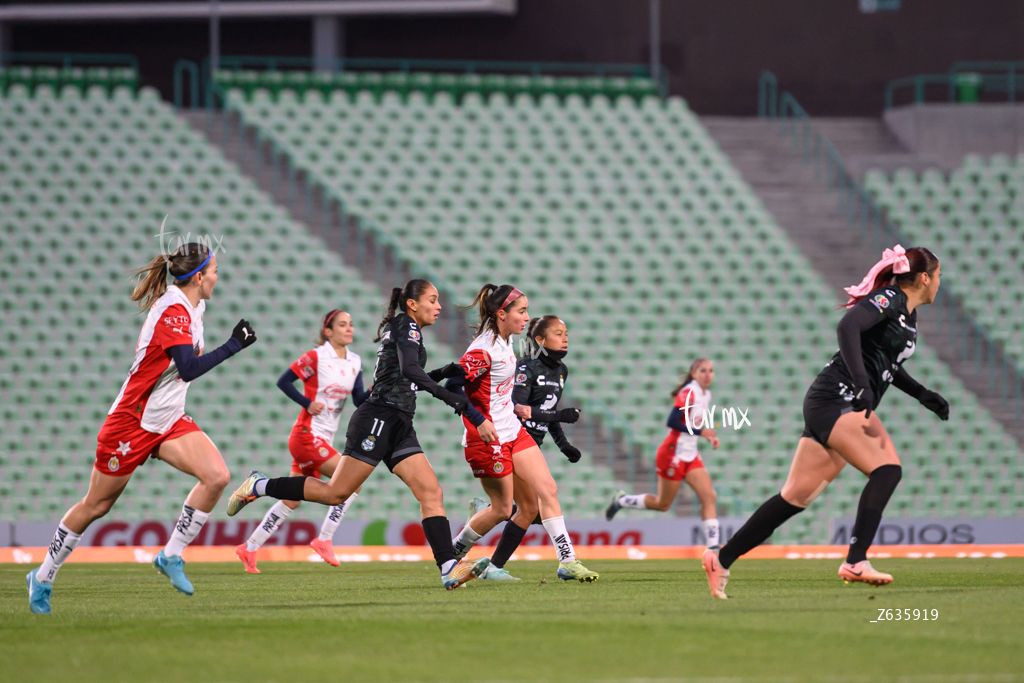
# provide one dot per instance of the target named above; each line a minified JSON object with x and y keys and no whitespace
{"x":511,"y":537}
{"x":439,"y":536}
{"x":766,"y":519}
{"x":286,"y":488}
{"x":538,"y":520}
{"x":515,"y":509}
{"x":873,"y":499}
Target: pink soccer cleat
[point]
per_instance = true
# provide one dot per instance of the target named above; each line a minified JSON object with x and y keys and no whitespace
{"x":248,"y":558}
{"x":325,"y":550}
{"x":864,"y":573}
{"x":718,"y":575}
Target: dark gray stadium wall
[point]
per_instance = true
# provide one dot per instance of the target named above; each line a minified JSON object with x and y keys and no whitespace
{"x":834,"y":58}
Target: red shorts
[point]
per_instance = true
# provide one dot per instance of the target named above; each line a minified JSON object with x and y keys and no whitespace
{"x":123,"y":445}
{"x":494,"y":461}
{"x":309,"y":451}
{"x":668,"y":467}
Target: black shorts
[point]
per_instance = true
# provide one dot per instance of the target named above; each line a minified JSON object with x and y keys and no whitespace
{"x":824,"y":403}
{"x":380,"y":434}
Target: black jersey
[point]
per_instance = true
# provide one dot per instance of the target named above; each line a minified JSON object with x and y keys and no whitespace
{"x":886,"y":345}
{"x":390,"y":387}
{"x":545,"y":383}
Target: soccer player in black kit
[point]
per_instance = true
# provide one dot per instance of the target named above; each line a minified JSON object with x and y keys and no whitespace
{"x":381,"y":430}
{"x":876,"y":336}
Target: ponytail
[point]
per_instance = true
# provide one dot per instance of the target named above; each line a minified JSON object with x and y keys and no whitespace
{"x":399,"y":296}
{"x":489,"y":300}
{"x":688,"y":377}
{"x":186,"y":261}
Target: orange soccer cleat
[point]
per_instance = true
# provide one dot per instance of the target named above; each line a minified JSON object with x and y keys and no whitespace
{"x":325,"y":550}
{"x":248,"y":558}
{"x":864,"y":573}
{"x":718,"y":575}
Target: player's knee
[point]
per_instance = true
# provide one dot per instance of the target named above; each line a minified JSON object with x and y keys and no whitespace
{"x":218,"y":479}
{"x":709,"y":498}
{"x":431,"y":497}
{"x":503,"y":509}
{"x":97,"y":508}
{"x":662,"y":505}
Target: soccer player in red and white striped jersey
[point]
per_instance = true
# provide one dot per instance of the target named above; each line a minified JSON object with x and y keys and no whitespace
{"x":148,"y":416}
{"x":330,"y":373}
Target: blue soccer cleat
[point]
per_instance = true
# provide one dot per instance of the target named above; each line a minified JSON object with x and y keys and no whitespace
{"x":497,"y":574}
{"x":174,"y":569}
{"x":39,"y":594}
{"x":615,"y":506}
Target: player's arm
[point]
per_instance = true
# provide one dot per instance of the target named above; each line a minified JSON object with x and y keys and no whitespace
{"x":409,"y":364}
{"x":359,"y":394}
{"x":190,"y":366}
{"x":568,"y":450}
{"x":286,"y":383}
{"x":860,"y":318}
{"x":457,"y":385}
{"x":931,"y":400}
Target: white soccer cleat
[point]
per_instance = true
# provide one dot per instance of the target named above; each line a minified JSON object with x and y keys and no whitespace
{"x":718,"y":575}
{"x":863,"y":572}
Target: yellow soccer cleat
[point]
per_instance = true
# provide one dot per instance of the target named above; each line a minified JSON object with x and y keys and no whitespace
{"x":575,"y":571}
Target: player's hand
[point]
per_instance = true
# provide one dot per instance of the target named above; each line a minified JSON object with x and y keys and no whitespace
{"x":487,"y":432}
{"x":568,"y":415}
{"x":863,"y":399}
{"x":315,"y":408}
{"x":244,"y":333}
{"x":458,"y":401}
{"x":935,"y":403}
{"x":447,"y":372}
{"x":715,"y":443}
{"x":523,"y":412}
{"x":708,"y":433}
{"x":572,"y":453}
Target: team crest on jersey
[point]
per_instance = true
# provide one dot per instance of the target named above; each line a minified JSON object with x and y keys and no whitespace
{"x":323,"y":452}
{"x":414,"y":335}
{"x":671,"y":471}
{"x":498,"y":468}
{"x":880,"y":301}
{"x":307,"y":372}
{"x":521,"y":378}
{"x":368,"y":443}
{"x":113,"y":464}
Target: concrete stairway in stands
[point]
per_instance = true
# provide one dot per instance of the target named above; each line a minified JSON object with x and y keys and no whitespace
{"x":808,"y":212}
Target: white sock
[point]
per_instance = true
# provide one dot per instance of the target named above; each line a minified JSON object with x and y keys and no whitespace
{"x":185,"y":531}
{"x":711,"y":533}
{"x":272,"y":521}
{"x":466,"y":539}
{"x":560,"y":538}
{"x":333,"y":519}
{"x":260,"y":489}
{"x":64,"y":541}
{"x":637,"y":501}
{"x":447,"y":567}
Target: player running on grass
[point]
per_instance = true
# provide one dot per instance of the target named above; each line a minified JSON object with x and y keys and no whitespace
{"x":876,"y":336}
{"x":503,"y":455}
{"x":677,"y":457}
{"x":381,"y":430}
{"x":148,"y":416}
{"x":330,"y":373}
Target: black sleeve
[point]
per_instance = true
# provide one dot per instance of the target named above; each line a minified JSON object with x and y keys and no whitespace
{"x":858,"y":319}
{"x":409,"y":362}
{"x":525,"y":378}
{"x":456,"y":385}
{"x":359,"y":394}
{"x":286,"y":383}
{"x":676,"y":421}
{"x":558,"y":434}
{"x":907,"y":384}
{"x":190,"y":366}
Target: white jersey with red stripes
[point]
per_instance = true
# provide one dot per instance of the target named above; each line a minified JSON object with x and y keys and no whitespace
{"x":154,"y":391}
{"x":490,"y":365}
{"x":694,"y":401}
{"x":328,"y":379}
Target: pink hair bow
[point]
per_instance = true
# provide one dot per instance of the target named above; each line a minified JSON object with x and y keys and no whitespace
{"x":895,"y":257}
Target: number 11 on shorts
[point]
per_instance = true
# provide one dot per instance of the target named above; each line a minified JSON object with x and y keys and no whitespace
{"x":377,"y":428}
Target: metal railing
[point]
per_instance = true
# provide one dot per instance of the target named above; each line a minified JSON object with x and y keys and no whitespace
{"x":181,"y":68}
{"x":994,"y":77}
{"x":855,"y":203}
{"x":68,"y":59}
{"x":234,"y":63}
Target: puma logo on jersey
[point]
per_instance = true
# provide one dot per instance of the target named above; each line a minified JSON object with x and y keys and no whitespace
{"x":177,"y":329}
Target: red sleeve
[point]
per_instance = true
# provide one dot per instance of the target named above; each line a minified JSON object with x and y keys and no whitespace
{"x":305,"y":367}
{"x":173,"y":328}
{"x":476,"y":363}
{"x":684,"y":398}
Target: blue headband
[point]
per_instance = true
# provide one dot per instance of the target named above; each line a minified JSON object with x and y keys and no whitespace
{"x":198,"y":268}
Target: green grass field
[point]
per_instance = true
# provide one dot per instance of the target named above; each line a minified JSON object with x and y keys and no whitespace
{"x":787,"y":620}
